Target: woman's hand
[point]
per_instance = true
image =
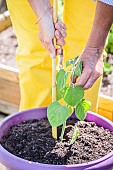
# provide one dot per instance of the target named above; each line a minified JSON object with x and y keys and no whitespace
{"x":47,"y":31}
{"x":92,"y":55}
{"x":92,"y":67}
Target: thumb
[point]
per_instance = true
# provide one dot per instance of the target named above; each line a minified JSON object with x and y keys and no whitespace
{"x":50,"y":48}
{"x":83,"y":78}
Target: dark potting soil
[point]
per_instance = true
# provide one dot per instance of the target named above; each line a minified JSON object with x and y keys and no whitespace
{"x":32,"y":140}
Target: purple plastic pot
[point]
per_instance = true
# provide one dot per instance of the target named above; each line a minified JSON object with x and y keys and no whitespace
{"x":12,"y":162}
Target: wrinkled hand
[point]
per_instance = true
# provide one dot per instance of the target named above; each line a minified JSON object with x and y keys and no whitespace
{"x":92,"y":67}
{"x":47,"y":31}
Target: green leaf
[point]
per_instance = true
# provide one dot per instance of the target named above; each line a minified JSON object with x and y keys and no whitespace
{"x":80,"y":65}
{"x":59,"y":93}
{"x":74,"y":95}
{"x":66,"y":76}
{"x":65,"y":90}
{"x":74,"y":61}
{"x":57,"y":114}
{"x":61,"y":78}
{"x":67,"y":63}
{"x":82,"y":108}
{"x":70,"y":111}
{"x":76,"y":133}
{"x":71,"y":61}
{"x":77,"y":71}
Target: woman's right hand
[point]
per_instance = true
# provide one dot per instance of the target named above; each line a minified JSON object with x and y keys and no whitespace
{"x":47,"y":31}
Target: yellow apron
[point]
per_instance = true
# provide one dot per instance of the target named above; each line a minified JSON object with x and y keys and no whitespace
{"x":33,"y":60}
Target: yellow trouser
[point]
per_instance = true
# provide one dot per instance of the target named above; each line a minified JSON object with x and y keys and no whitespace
{"x":33,"y":60}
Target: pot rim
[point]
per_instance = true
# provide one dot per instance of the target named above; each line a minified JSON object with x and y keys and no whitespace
{"x":4,"y":151}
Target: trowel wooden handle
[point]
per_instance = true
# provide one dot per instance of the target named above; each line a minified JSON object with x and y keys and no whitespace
{"x":55,"y":7}
{"x":60,"y":59}
{"x":55,"y":16}
{"x":55,"y":10}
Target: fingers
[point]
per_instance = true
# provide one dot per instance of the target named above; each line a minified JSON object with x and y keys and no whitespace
{"x":48,"y":45}
{"x":92,"y":67}
{"x":51,"y":49}
{"x":60,"y":26}
{"x":92,"y":80}
{"x":61,"y":42}
{"x":59,"y":51}
{"x":46,"y":36}
{"x":58,"y":35}
{"x":59,"y":38}
{"x":88,"y":78}
{"x":83,"y":78}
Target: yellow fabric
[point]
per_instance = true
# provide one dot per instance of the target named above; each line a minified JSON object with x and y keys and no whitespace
{"x":78,"y":17}
{"x":33,"y":60}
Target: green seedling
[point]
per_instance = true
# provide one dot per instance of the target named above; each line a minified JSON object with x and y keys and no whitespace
{"x":73,"y":97}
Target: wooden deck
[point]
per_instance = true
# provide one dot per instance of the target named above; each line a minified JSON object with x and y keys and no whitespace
{"x":5,"y":21}
{"x":105,"y":107}
{"x":9,"y":89}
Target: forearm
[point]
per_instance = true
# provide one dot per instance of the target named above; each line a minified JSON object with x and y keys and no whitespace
{"x":39,"y":6}
{"x":102,"y":23}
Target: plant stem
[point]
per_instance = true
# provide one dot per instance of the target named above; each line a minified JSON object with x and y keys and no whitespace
{"x":63,"y":130}
{"x":76,"y":133}
{"x":73,"y":74}
{"x":73,"y":77}
{"x":74,"y":65}
{"x":70,"y":126}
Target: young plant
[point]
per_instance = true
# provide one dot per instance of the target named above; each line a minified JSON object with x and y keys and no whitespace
{"x":73,"y":97}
